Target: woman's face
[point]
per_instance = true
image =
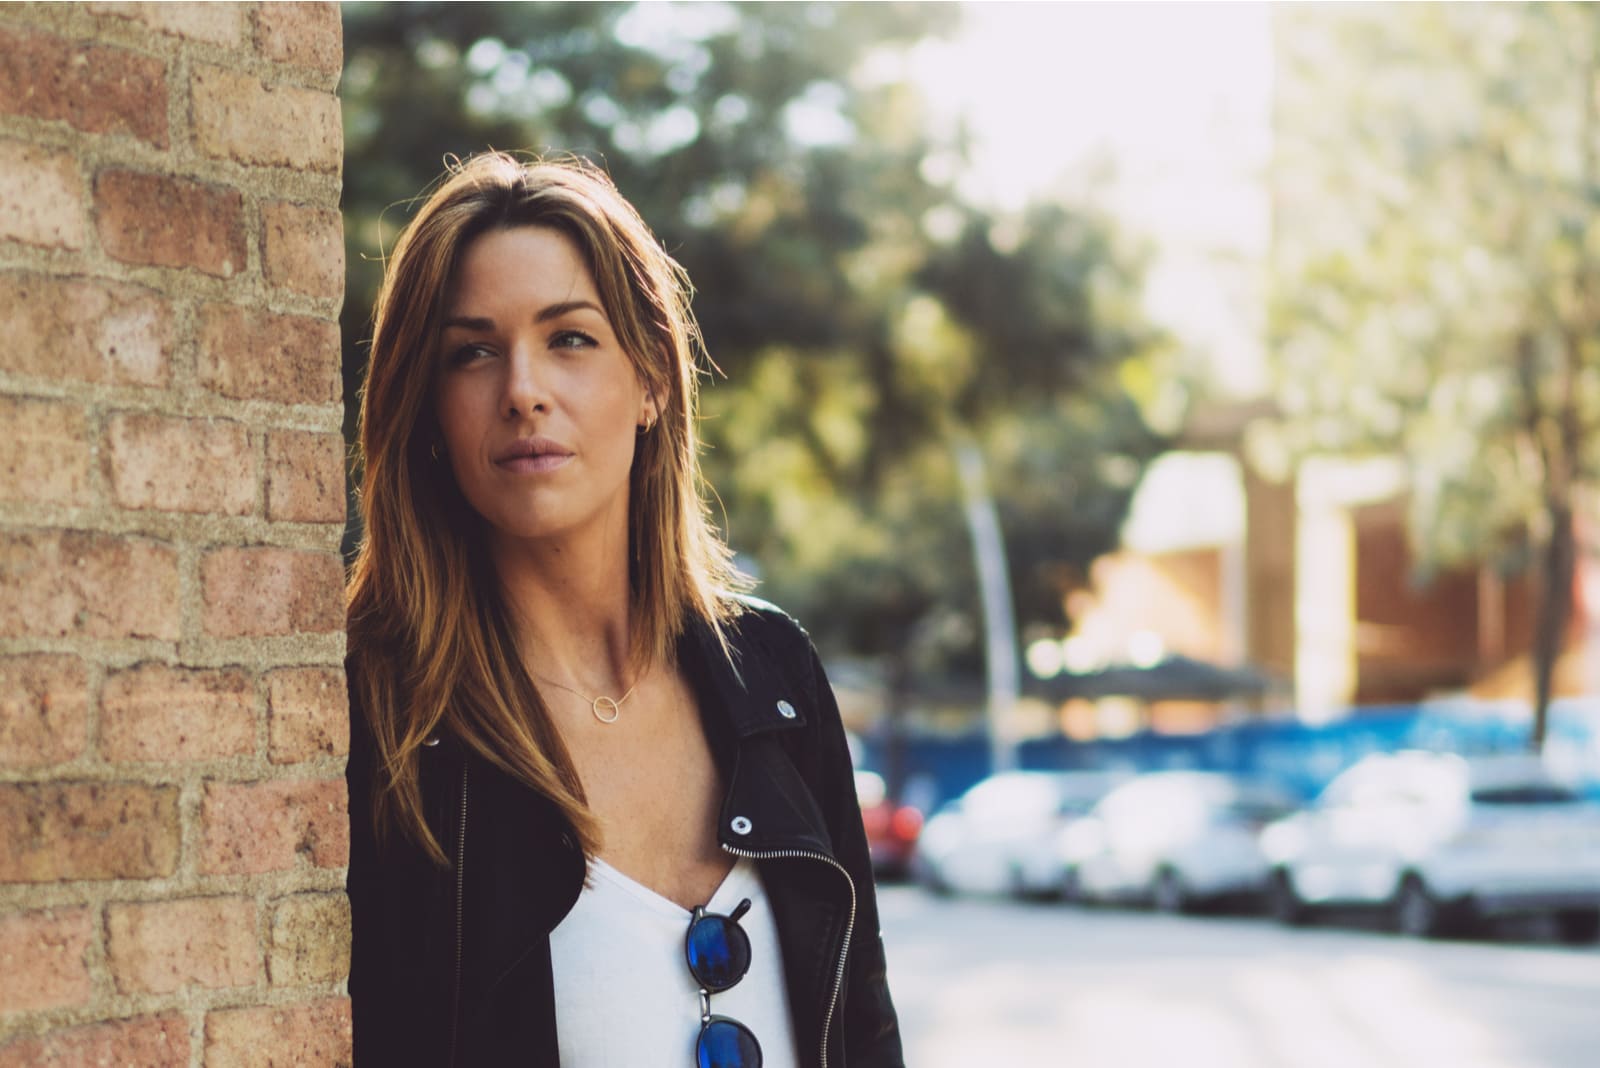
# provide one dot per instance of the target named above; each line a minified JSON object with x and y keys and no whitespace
{"x":538,"y":404}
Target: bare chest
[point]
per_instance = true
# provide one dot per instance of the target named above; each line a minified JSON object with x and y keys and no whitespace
{"x":654,"y":786}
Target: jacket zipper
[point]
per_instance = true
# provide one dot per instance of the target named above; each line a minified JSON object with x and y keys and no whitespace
{"x":461,"y":859}
{"x":849,"y":927}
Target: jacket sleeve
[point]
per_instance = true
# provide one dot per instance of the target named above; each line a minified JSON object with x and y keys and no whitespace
{"x":389,"y":966}
{"x":373,"y":994}
{"x":361,"y":885}
{"x":871,"y":1030}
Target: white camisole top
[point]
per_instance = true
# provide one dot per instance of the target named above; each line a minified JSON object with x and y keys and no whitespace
{"x":624,"y":996}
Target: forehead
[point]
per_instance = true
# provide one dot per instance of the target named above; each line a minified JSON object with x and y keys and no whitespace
{"x":538,"y":265}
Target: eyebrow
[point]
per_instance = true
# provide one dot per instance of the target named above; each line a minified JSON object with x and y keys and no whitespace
{"x":554,"y":311}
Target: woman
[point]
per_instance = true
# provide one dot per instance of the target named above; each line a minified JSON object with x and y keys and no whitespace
{"x":602,"y":811}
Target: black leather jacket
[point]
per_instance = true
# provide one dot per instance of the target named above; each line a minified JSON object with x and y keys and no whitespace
{"x":451,"y":965}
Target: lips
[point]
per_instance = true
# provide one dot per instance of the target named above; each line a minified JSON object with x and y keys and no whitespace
{"x":532,"y":455}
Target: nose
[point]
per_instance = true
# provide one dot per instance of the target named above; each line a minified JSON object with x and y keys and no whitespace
{"x":526,"y":388}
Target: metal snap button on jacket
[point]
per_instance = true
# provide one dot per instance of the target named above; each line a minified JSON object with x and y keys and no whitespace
{"x":740,"y":825}
{"x":786,"y":710}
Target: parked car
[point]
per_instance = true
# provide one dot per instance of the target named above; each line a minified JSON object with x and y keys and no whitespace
{"x":1172,"y":839}
{"x":997,"y":837}
{"x":892,"y":827}
{"x":1441,"y":841}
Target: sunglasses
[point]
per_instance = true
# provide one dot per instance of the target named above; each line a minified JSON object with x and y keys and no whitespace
{"x":718,"y":952}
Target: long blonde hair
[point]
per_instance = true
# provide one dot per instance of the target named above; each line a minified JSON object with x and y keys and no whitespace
{"x":431,"y":644}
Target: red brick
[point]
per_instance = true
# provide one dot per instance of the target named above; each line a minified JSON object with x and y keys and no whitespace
{"x":50,"y":832}
{"x":239,"y":117}
{"x":218,"y":24}
{"x":44,"y":709}
{"x":281,"y":1036}
{"x":302,"y":248}
{"x":309,"y":714}
{"x":305,"y":34}
{"x":163,"y":221}
{"x":41,"y":196}
{"x":260,"y":590}
{"x":58,"y":584}
{"x":249,"y":354}
{"x":94,"y":88}
{"x":250,"y":828}
{"x":144,"y":1041}
{"x":44,"y":960}
{"x":87,"y":331}
{"x":157,"y":712}
{"x":181,"y":465}
{"x":305,"y":476}
{"x":310,"y":940}
{"x":44,"y":452}
{"x":156,"y":947}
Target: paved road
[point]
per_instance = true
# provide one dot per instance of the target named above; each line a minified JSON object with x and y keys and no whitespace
{"x":981,"y":984}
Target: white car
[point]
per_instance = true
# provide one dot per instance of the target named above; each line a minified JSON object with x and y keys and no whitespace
{"x":1440,"y":841}
{"x":1172,"y":839}
{"x":997,"y":837}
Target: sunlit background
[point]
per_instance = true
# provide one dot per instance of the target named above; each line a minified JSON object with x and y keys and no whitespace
{"x":1129,"y":387}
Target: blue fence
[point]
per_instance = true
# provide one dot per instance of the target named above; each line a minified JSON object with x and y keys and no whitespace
{"x":1298,"y":756}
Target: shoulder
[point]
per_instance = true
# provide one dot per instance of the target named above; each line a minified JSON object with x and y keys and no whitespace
{"x":759,"y":631}
{"x":771,"y":651}
{"x":752,"y":618}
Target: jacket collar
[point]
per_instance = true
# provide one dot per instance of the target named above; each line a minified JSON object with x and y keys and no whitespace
{"x":751,"y":697}
{"x":757,"y":688}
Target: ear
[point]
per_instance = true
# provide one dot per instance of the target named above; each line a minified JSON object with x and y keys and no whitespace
{"x":649,"y":412}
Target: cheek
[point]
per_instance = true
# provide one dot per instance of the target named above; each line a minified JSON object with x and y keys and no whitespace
{"x":460,"y":440}
{"x":456,"y":412}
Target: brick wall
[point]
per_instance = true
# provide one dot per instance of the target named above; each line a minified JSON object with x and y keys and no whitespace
{"x":172,"y":717}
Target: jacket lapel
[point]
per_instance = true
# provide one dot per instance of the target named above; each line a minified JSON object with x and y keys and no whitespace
{"x":748,"y":706}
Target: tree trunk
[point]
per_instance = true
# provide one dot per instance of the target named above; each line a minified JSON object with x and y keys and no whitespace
{"x":1555,"y":610}
{"x":999,"y":613}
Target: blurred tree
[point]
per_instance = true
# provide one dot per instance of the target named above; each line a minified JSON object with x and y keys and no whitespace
{"x":1437,"y":278}
{"x":864,"y":316}
{"x":735,"y":129}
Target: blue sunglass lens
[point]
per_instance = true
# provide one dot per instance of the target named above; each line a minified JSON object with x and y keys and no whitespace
{"x":718,"y":951}
{"x":726,"y":1043}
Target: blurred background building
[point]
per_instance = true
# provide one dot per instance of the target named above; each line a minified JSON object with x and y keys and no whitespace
{"x":1250,"y":545}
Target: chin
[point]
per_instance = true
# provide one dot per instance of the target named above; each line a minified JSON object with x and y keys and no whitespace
{"x":526,"y":528}
{"x":530,"y":518}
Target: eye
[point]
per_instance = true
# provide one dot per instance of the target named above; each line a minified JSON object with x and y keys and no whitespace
{"x":468,"y":353}
{"x":572,"y":339}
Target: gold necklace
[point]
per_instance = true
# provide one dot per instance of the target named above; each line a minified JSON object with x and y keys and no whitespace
{"x":595,"y":703}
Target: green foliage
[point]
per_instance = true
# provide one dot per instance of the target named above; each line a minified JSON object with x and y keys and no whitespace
{"x":734,"y":130}
{"x":862,"y":315}
{"x":1435,"y":252}
{"x":1438,"y":291}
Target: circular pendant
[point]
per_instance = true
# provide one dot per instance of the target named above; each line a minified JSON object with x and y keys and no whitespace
{"x":606,"y":702}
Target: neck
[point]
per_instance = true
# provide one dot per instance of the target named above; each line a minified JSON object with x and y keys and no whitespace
{"x":571,"y":606}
